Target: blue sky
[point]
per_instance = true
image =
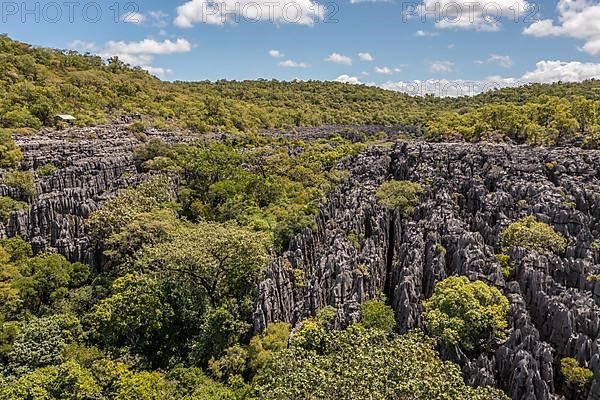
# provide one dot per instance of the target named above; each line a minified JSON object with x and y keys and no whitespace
{"x":188,"y":40}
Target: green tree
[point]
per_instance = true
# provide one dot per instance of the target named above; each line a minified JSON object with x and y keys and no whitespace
{"x":401,"y":195}
{"x":469,"y":315}
{"x":375,"y":314}
{"x":574,"y":373}
{"x":359,"y":363}
{"x":531,"y":234}
{"x":134,"y":314}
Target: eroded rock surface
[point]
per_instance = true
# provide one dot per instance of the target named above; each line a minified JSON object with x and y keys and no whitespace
{"x":472,"y":193}
{"x":93,"y":164}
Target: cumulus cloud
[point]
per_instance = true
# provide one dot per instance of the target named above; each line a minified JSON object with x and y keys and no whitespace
{"x":348,"y":79}
{"x":544,"y":72}
{"x":293,"y":64}
{"x":383,"y":70}
{"x":578,"y":19}
{"x":482,"y":15}
{"x":337,"y":58}
{"x":83,"y":46}
{"x":220,"y":12}
{"x":365,"y":56}
{"x":276,"y":54}
{"x":503,"y":61}
{"x":553,"y":71}
{"x":441,"y":66}
{"x":157,"y":70}
{"x":139,"y":53}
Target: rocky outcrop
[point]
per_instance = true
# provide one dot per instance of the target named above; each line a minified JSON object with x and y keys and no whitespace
{"x":473,"y":192}
{"x":93,"y":164}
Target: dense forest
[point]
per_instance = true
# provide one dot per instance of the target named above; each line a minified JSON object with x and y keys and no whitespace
{"x":168,"y":312}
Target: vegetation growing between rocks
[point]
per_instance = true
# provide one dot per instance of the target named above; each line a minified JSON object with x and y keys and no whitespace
{"x":531,"y":234}
{"x":467,"y":315}
{"x":574,"y":373}
{"x":401,"y":195}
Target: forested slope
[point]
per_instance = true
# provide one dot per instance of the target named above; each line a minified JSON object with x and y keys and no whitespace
{"x":37,"y":83}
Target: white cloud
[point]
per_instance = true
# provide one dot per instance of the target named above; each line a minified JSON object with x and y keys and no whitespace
{"x":276,"y":54}
{"x":544,"y":72}
{"x":387,"y":70}
{"x":553,"y":71}
{"x":337,"y":58}
{"x":383,"y":70}
{"x":578,"y":19}
{"x":482,"y":15}
{"x":135,"y":18}
{"x":503,"y":61}
{"x":421,"y":33}
{"x":365,"y":56}
{"x":348,"y":79}
{"x":158,"y":70}
{"x":140,"y":53}
{"x":149,"y":46}
{"x":441,"y":66}
{"x":292,"y":64}
{"x":220,"y":12}
{"x":83,"y":46}
{"x":159,"y":18}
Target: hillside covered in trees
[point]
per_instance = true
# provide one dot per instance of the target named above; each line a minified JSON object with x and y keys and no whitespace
{"x":38,"y":83}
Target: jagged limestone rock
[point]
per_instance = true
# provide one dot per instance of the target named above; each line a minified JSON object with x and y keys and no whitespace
{"x":472,"y":192}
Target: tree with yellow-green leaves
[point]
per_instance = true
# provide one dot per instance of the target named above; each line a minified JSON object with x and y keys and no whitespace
{"x":465,"y":314}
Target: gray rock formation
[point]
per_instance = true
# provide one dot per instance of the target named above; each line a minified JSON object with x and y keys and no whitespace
{"x":360,"y":249}
{"x":472,"y":193}
{"x":94,"y":163}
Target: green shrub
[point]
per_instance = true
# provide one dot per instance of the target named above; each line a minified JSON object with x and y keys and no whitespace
{"x":21,"y":180}
{"x":403,"y":195}
{"x":469,"y":315}
{"x":504,"y":260}
{"x":530,"y":234}
{"x":375,"y":314}
{"x":8,"y":205}
{"x":46,"y":170}
{"x":575,"y":374}
{"x":137,"y":127}
{"x":10,"y":155}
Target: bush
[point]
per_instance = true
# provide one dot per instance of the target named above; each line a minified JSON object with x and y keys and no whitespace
{"x":8,"y":206}
{"x":403,"y":195}
{"x":10,"y":155}
{"x":21,"y":180}
{"x":46,"y":170}
{"x":375,"y":314}
{"x":504,"y":260}
{"x":575,"y":374}
{"x":530,"y":234}
{"x":469,"y":315}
